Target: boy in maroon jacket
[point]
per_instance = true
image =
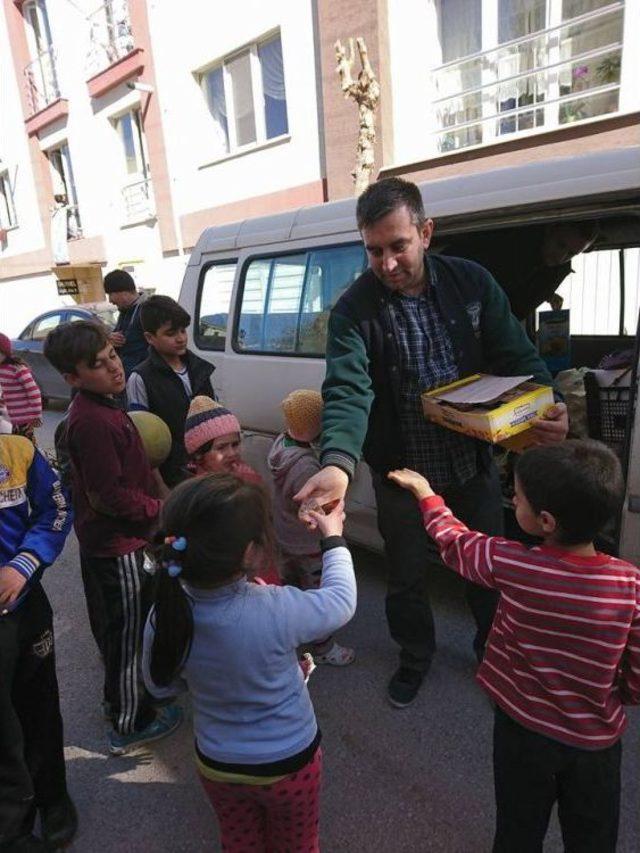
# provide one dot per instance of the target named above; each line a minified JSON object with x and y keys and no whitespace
{"x":115,"y":511}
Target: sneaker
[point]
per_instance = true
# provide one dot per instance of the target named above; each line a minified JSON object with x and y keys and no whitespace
{"x":337,"y":655}
{"x":59,"y":822}
{"x":404,"y":686}
{"x":167,"y":721}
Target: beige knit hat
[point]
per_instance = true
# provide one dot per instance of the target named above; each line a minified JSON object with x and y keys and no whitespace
{"x":303,"y":414}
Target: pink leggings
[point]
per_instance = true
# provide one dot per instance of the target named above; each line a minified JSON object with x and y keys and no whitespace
{"x":269,"y":818}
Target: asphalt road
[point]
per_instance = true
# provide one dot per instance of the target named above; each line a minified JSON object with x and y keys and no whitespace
{"x":395,"y":781}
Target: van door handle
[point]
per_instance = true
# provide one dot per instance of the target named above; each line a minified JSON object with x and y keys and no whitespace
{"x":633,"y":504}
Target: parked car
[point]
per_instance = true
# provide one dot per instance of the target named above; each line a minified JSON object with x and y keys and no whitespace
{"x":29,"y":344}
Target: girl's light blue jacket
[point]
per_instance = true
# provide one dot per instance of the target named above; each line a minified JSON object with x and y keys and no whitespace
{"x":251,"y":704}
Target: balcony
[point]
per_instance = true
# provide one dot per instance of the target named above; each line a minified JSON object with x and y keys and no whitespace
{"x":44,"y":102}
{"x":556,"y":76}
{"x":112,"y":56}
{"x":139,"y":203}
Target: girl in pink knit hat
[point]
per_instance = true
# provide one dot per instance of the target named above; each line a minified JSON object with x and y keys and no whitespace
{"x":21,"y":394}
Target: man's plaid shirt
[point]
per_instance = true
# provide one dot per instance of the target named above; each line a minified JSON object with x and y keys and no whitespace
{"x":446,"y":458}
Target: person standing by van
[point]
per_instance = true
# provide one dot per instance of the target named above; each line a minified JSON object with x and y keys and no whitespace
{"x":412,"y":322}
{"x":128,"y":336}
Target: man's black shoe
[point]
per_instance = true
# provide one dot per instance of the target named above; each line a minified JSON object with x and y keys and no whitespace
{"x":403,"y":687}
{"x":59,"y":822}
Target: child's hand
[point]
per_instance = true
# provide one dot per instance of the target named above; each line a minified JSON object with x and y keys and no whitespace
{"x":11,"y":584}
{"x":413,"y":482}
{"x":330,"y":524}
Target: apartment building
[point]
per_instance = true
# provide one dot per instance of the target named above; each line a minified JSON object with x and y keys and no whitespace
{"x":127,"y":127}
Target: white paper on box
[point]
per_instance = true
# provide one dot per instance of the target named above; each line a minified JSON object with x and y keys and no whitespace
{"x":483,"y":390}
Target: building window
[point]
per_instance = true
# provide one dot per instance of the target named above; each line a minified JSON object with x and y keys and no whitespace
{"x":7,"y":209}
{"x":246,"y":97}
{"x":511,"y":66}
{"x":41,"y":74}
{"x":136,"y":191}
{"x":64,"y":188}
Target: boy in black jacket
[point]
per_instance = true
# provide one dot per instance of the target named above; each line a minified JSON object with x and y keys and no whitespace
{"x":167,"y":381}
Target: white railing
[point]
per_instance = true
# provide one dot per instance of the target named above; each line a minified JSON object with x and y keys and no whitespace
{"x":42,"y":81}
{"x":110,"y":36}
{"x":549,"y":78}
{"x":139,"y":203}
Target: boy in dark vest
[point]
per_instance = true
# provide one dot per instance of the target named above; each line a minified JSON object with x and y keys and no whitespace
{"x":171,"y":376}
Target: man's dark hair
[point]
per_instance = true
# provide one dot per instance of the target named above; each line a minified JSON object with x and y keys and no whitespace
{"x":158,"y":310}
{"x":71,"y":344}
{"x":118,"y":280}
{"x":579,"y":482}
{"x":386,"y":196}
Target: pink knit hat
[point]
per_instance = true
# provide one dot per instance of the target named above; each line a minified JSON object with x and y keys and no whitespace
{"x":5,"y":345}
{"x":206,"y":420}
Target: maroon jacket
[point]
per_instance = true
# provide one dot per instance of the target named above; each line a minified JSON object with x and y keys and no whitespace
{"x":112,"y":481}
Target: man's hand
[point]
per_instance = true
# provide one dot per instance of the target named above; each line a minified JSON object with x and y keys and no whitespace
{"x":325,"y":487}
{"x":11,"y":584}
{"x":117,"y":339}
{"x":331,"y":524}
{"x":412,"y":481}
{"x":553,"y":426}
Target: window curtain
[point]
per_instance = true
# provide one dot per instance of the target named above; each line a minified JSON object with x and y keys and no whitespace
{"x":272,"y":69}
{"x":275,"y":98}
{"x":218,"y":109}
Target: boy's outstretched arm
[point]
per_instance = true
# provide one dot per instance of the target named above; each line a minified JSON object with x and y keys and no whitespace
{"x":629,"y":672}
{"x":467,"y":552}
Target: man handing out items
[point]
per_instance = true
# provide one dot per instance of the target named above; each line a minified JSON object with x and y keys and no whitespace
{"x":412,"y":322}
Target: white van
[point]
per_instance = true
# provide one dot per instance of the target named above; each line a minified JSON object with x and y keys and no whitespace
{"x":259,"y":294}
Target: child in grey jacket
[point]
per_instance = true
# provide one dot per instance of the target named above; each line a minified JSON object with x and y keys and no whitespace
{"x":292,"y":460}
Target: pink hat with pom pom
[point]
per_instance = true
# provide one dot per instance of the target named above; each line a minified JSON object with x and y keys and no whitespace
{"x":206,"y":420}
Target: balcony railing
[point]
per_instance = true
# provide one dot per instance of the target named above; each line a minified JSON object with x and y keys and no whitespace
{"x":139,"y":203}
{"x":42,"y":81}
{"x":110,"y":36}
{"x":562,"y":74}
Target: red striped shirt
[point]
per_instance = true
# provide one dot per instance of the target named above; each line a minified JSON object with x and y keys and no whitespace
{"x":563,"y":654}
{"x":21,"y":394}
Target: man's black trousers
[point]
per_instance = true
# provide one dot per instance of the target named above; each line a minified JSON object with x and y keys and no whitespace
{"x":118,"y":595}
{"x":32,"y":772}
{"x":533,"y":772}
{"x":409,"y":551}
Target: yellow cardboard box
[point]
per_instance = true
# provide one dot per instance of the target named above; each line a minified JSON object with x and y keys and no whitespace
{"x":506,"y":423}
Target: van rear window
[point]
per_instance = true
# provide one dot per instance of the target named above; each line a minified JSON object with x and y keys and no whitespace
{"x":286,"y":299}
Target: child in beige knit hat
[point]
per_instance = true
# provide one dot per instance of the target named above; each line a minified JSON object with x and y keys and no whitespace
{"x":292,"y":460}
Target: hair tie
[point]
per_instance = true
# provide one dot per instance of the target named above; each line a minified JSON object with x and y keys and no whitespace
{"x":174,"y":569}
{"x":178,"y":543}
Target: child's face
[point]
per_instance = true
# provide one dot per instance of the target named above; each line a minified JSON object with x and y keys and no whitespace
{"x":105,"y":376}
{"x":224,"y":455}
{"x":526,"y":516}
{"x":168,"y":341}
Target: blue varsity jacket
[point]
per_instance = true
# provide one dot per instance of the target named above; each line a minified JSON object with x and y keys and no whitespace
{"x":35,"y":516}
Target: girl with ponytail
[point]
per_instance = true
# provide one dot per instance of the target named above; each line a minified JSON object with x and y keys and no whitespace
{"x":232,"y":645}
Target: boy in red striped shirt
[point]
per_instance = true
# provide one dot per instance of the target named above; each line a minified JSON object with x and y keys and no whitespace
{"x":21,"y":394}
{"x":563,"y":655}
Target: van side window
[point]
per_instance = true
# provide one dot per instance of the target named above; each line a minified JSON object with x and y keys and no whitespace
{"x":286,"y":299}
{"x":212,"y":305}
